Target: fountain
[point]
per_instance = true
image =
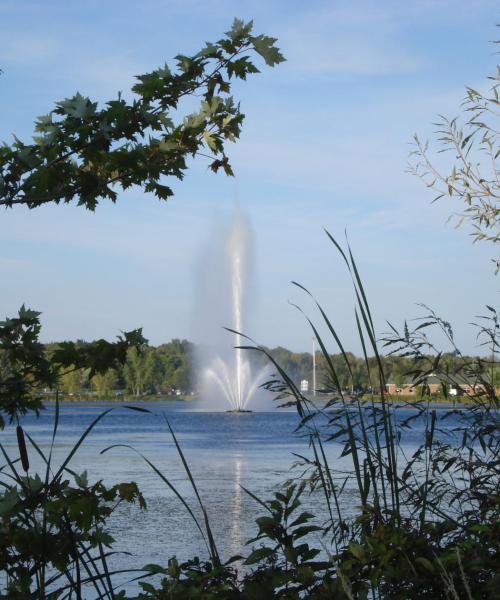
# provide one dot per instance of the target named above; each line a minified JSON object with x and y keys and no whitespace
{"x":237,"y":386}
{"x":227,"y":369}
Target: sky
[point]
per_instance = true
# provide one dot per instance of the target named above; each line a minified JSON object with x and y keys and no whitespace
{"x":325,"y":145}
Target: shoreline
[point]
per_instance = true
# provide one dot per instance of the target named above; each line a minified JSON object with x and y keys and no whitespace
{"x":320,"y":404}
{"x":122,"y":399}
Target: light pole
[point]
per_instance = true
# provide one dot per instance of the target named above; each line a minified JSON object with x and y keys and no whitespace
{"x":314,"y":366}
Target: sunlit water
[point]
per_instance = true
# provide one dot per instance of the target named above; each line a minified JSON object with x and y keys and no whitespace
{"x":224,"y":452}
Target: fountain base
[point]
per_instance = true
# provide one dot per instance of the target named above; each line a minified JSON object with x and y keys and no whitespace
{"x":239,"y":410}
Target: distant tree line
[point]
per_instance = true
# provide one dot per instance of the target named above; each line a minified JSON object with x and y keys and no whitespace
{"x":363,"y":373}
{"x":164,"y":369}
{"x":170,"y":369}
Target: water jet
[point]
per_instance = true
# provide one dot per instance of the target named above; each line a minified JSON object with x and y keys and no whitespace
{"x":228,"y":370}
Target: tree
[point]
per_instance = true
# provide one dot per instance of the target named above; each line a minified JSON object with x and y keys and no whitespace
{"x":84,"y":152}
{"x":474,"y":175}
{"x":138,"y":371}
{"x":74,"y":381}
{"x":175,"y":364}
{"x":104,"y":383}
{"x":27,"y":368}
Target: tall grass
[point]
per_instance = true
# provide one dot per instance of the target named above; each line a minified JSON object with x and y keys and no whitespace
{"x":53,"y":542}
{"x":434,"y":507}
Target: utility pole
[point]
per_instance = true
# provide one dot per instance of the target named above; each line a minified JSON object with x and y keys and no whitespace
{"x":314,"y":366}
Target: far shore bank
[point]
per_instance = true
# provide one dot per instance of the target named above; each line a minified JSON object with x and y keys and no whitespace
{"x":121,"y":399}
{"x":320,"y":400}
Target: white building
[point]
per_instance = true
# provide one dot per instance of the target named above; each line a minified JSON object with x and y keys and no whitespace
{"x":304,"y":386}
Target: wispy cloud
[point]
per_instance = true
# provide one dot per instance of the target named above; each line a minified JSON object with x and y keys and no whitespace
{"x":356,"y":166}
{"x":314,"y":54}
{"x":14,"y":263}
{"x":349,"y":40}
{"x":104,"y":76}
{"x":26,"y":49}
{"x":147,"y":238}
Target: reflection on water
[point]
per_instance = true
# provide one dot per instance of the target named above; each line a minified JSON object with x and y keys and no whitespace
{"x":236,"y":514}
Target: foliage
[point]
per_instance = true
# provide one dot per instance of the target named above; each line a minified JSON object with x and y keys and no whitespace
{"x":138,"y":371}
{"x":473,"y":178}
{"x":84,"y":152}
{"x":287,"y":564}
{"x":104,"y":383}
{"x":53,"y":538}
{"x":27,"y":368}
{"x":159,"y":370}
{"x":73,"y":382}
{"x":428,"y":523}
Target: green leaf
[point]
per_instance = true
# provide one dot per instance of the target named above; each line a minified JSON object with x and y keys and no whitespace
{"x":303,"y":518}
{"x":8,"y":501}
{"x":210,"y":140}
{"x":426,"y":563}
{"x":156,"y":569}
{"x":258,"y":555}
{"x":163,"y":192}
{"x":82,"y":480}
{"x":78,"y":106}
{"x":302,"y":531}
{"x":357,"y":551}
{"x":103,"y":537}
{"x":84,"y":153}
{"x":264,"y":45}
{"x":239,"y":29}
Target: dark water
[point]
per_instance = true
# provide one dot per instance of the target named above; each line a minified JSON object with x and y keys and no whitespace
{"x":224,"y":451}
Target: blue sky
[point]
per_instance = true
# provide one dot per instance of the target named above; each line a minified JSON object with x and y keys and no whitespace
{"x":325,"y":144}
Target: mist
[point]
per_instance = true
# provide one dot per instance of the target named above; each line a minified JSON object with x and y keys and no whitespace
{"x":225,"y":299}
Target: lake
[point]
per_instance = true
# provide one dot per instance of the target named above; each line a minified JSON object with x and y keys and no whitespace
{"x":224,"y":451}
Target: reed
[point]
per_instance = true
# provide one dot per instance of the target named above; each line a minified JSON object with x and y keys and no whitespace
{"x":54,"y":542}
{"x":431,"y":508}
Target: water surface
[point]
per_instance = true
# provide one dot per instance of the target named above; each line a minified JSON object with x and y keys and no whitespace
{"x":224,"y":451}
